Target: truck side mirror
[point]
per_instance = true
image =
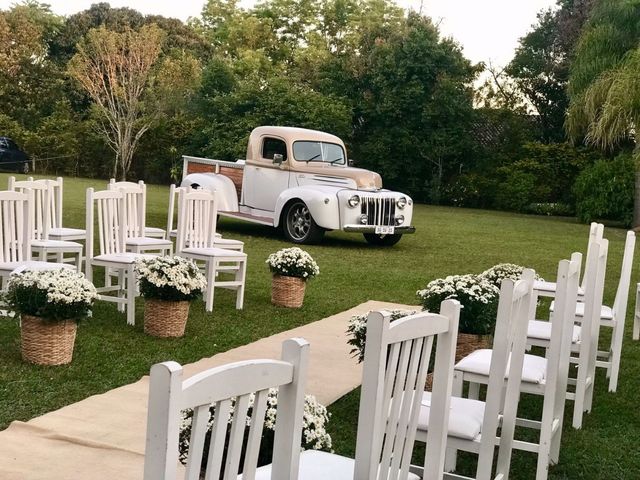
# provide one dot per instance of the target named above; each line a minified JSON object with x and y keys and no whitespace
{"x":351,"y":162}
{"x":278,"y":158}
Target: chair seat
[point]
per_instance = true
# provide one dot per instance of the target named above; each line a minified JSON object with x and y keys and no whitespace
{"x":68,"y":233}
{"x":542,"y":331}
{"x":213,"y":252}
{"x":148,"y":241}
{"x":125,"y":258}
{"x":315,"y":465}
{"x":550,"y":287}
{"x":16,"y":267}
{"x":465,"y":418}
{"x":64,"y":244}
{"x":606,"y":313}
{"x":534,"y":368}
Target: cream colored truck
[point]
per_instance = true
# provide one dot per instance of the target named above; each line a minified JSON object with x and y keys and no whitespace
{"x":300,"y":180}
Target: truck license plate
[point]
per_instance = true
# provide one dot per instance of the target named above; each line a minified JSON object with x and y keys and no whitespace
{"x":384,"y":230}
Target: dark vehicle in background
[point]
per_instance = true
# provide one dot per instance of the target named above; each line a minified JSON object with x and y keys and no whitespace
{"x":12,"y":158}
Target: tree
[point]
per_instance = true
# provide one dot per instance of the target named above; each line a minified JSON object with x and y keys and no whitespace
{"x":115,"y":69}
{"x":540,"y":66}
{"x":604,"y":87}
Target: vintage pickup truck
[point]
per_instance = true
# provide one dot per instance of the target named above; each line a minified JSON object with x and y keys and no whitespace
{"x":300,"y":180}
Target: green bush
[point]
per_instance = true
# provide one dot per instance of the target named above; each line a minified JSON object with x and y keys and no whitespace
{"x":604,"y":191}
{"x":470,"y":190}
{"x":516,"y":192}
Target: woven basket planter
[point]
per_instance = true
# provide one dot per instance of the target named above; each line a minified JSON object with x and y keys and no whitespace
{"x":47,"y":343}
{"x":466,"y":344}
{"x":287,"y":291}
{"x":164,"y":318}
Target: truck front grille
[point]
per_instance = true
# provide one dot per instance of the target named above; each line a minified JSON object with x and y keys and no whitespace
{"x":379,"y":210}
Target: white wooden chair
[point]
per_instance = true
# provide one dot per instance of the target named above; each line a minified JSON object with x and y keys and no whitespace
{"x":614,"y":316}
{"x":548,"y":289}
{"x":540,"y":376}
{"x":396,"y":362}
{"x":473,"y":424}
{"x":136,"y":238}
{"x":174,"y":193}
{"x":56,"y":230}
{"x":583,"y":337}
{"x":169,"y":394}
{"x":112,"y":255}
{"x":196,"y":235}
{"x":42,"y":211}
{"x":15,"y":235}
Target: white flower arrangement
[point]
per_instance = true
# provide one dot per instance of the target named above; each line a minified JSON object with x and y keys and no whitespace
{"x":357,"y":330}
{"x":496,"y":273}
{"x":54,"y":295}
{"x":314,"y":433}
{"x":293,"y":262}
{"x":170,"y":278}
{"x":477,"y":295}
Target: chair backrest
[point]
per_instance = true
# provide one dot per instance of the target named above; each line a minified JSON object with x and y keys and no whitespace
{"x":594,"y":290}
{"x":396,"y":362}
{"x":174,"y":193}
{"x":42,"y":208}
{"x":135,"y":195}
{"x":622,"y":293}
{"x":596,"y":232}
{"x":196,"y":219}
{"x":509,"y":345}
{"x":56,"y":190}
{"x":110,"y":206}
{"x":240,"y":381}
{"x":559,"y":351}
{"x":15,"y":226}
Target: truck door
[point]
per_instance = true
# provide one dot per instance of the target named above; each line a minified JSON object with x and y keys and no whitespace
{"x":264,"y":180}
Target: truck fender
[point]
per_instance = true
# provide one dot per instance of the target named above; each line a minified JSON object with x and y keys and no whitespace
{"x":321,"y":201}
{"x":223,"y":186}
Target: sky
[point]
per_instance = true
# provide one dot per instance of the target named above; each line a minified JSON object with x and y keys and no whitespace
{"x":488,"y":30}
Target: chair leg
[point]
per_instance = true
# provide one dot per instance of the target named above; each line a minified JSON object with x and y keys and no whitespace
{"x":121,"y":289}
{"x":636,"y":315}
{"x":211,"y":277}
{"x":131,"y":296}
{"x":240,"y":276}
{"x":614,"y":355}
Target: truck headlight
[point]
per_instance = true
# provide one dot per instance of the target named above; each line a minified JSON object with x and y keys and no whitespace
{"x":401,"y":202}
{"x":363,"y":219}
{"x":354,"y":201}
{"x":399,"y":219}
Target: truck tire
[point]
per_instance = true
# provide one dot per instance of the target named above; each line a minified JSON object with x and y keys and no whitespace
{"x":382,"y":240}
{"x":299,"y":226}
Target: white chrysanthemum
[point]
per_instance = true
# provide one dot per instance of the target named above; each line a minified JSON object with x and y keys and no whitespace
{"x":293,"y":262}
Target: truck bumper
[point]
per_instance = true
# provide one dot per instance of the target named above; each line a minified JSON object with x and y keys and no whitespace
{"x":372,"y":229}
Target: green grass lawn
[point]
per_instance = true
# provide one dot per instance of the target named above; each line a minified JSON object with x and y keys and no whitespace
{"x":448,"y":241}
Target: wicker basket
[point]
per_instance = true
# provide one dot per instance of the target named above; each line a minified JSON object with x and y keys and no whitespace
{"x":467,"y":343}
{"x":47,"y":343}
{"x":164,"y":318}
{"x":287,"y":291}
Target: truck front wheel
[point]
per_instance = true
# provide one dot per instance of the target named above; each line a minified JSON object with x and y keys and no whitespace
{"x":299,"y":226}
{"x":382,"y":240}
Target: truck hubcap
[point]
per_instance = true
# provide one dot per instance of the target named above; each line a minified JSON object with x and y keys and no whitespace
{"x":299,"y":221}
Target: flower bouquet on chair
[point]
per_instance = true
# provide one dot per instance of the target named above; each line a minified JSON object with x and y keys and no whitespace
{"x":168,"y":284}
{"x":291,"y":268}
{"x":49,"y":302}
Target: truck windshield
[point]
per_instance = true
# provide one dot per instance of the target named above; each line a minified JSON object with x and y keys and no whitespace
{"x":306,"y":151}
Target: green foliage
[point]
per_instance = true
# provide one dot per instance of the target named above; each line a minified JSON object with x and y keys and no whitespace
{"x":516,"y":192}
{"x":605,"y":190}
{"x":541,"y":63}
